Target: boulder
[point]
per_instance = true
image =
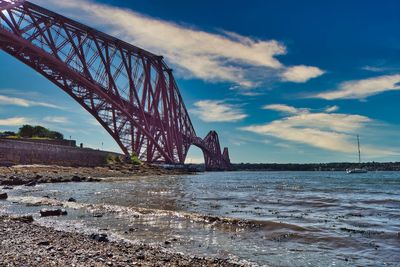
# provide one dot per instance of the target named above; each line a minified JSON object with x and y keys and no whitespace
{"x":99,"y":237}
{"x":3,"y":195}
{"x":71,"y":199}
{"x":55,"y":212}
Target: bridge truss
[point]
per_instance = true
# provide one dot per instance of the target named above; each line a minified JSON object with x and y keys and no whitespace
{"x":131,"y":92}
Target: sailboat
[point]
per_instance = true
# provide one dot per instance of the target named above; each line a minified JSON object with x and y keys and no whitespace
{"x":357,"y":170}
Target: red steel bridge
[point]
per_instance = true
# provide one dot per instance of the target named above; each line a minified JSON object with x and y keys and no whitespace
{"x":131,"y":92}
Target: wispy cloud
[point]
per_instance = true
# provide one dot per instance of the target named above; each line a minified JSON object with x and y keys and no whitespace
{"x":301,"y":74}
{"x":331,"y":109}
{"x":328,"y":131}
{"x":285,"y":108}
{"x":224,"y":56}
{"x":217,"y":111}
{"x":16,"y":121}
{"x":361,"y":89}
{"x":373,"y":68}
{"x":7,"y":100}
{"x":56,"y":119}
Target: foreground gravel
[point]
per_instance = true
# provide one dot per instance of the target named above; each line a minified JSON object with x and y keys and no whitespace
{"x":24,"y":243}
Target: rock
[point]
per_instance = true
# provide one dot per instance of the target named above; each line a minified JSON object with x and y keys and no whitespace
{"x":3,"y":196}
{"x":167,"y":242}
{"x":99,"y":237}
{"x":13,"y":180}
{"x":56,"y":212}
{"x":76,"y":178}
{"x":24,"y":219}
{"x":55,"y":180}
{"x":97,"y":215}
{"x":71,"y":199}
{"x":8,"y":188}
{"x":44,"y":243}
{"x":31,"y":183}
{"x":140,"y":256}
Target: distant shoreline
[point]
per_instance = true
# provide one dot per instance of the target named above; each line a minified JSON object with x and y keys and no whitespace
{"x":338,"y":166}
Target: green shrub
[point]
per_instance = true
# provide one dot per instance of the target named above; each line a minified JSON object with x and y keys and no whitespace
{"x":113,"y":159}
{"x":135,"y":160}
{"x":109,"y":159}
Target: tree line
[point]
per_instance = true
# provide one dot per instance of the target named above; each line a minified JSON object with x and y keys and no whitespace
{"x":29,"y":131}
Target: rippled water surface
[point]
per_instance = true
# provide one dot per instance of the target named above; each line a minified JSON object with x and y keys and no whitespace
{"x":267,"y":218}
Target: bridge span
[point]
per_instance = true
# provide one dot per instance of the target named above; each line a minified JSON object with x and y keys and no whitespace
{"x":131,"y":92}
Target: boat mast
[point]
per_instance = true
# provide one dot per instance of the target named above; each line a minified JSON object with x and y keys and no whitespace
{"x":359,"y":152}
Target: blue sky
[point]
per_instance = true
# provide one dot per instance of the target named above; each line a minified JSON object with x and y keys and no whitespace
{"x":281,"y":81}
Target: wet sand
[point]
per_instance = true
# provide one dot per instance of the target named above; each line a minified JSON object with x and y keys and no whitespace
{"x":25,"y":243}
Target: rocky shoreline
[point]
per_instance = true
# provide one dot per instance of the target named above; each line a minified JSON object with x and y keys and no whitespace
{"x":25,"y":243}
{"x":31,"y":175}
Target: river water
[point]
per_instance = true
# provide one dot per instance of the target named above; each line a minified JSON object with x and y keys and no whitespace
{"x":264,"y":218}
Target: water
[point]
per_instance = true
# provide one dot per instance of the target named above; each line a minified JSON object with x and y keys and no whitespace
{"x":265,"y":218}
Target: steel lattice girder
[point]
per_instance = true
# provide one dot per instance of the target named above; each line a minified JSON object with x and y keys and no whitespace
{"x":131,"y":92}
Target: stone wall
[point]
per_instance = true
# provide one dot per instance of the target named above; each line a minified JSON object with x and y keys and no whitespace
{"x":46,"y":141}
{"x":14,"y":152}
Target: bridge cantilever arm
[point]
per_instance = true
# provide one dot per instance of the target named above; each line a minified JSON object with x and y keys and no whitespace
{"x":148,"y":116}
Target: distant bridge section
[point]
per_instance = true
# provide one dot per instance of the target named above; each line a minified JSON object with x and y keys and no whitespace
{"x":131,"y":92}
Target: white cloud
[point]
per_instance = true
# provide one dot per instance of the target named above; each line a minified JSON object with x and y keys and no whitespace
{"x":285,"y":108}
{"x":7,"y":100}
{"x":361,"y":89}
{"x":227,"y":56}
{"x":217,"y":111}
{"x":332,"y":109}
{"x":292,"y":110}
{"x":16,"y":121}
{"x":56,"y":119}
{"x":301,"y":74}
{"x":328,"y":131}
{"x":373,"y":69}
